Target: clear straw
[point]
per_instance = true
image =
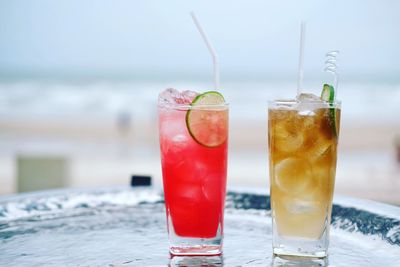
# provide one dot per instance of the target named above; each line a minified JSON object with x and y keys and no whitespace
{"x":300,"y":74}
{"x":331,"y":67}
{"x":210,"y":48}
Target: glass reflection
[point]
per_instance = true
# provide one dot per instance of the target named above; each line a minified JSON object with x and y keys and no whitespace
{"x":189,"y":261}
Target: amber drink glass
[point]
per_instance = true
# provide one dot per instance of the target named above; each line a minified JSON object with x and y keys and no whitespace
{"x":303,"y":138}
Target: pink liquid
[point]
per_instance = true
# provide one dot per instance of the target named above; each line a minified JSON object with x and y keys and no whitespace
{"x":194,"y":178}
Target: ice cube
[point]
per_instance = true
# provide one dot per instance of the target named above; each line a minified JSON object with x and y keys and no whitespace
{"x":307,"y":111}
{"x":189,"y":95}
{"x":180,"y":138}
{"x":303,"y":97}
{"x":299,"y":206}
{"x":320,"y":149}
{"x":172,"y":96}
{"x":308,"y":103}
{"x":293,"y":175}
{"x":168,"y":96}
{"x":286,"y":136}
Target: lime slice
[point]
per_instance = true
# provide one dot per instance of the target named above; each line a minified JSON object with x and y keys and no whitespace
{"x":328,"y":95}
{"x":207,"y":125}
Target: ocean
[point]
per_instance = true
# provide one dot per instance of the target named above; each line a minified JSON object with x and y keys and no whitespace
{"x":366,"y":102}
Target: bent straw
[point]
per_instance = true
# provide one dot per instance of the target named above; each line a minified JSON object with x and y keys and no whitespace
{"x":300,"y":74}
{"x":210,"y":48}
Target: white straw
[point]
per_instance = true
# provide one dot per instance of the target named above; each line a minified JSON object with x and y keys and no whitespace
{"x":210,"y":48}
{"x":300,"y":74}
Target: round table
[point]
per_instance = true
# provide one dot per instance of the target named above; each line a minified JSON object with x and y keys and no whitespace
{"x":126,"y":227}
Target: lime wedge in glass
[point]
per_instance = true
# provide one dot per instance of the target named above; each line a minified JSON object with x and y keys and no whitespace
{"x":207,"y":120}
{"x":328,"y":95}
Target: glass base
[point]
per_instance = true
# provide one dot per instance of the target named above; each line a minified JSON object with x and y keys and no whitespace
{"x":300,"y":248}
{"x":195,"y":250}
{"x":189,"y":246}
{"x":297,"y":252}
{"x":284,"y":261}
{"x":194,"y":246}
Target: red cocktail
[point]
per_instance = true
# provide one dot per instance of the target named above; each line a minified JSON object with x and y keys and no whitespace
{"x":193,"y":142}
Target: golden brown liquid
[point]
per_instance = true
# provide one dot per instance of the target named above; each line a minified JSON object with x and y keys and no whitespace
{"x":303,"y":151}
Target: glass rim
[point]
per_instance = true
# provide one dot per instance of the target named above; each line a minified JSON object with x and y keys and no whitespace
{"x":292,"y":102}
{"x":188,"y":106}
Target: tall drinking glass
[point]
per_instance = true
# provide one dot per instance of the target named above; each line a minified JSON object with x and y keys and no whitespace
{"x":194,"y":144}
{"x":303,"y":138}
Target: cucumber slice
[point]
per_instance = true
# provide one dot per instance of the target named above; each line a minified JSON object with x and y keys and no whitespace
{"x":208,"y":126}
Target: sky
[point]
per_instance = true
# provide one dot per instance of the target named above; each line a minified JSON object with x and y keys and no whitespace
{"x":156,"y":39}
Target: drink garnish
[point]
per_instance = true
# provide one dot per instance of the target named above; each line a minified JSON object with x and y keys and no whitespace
{"x":208,"y":125}
{"x":328,"y":95}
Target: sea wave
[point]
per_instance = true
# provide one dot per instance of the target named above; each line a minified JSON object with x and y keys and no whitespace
{"x":248,"y":101}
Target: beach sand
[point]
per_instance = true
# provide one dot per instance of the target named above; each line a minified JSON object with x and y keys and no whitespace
{"x":99,"y":152}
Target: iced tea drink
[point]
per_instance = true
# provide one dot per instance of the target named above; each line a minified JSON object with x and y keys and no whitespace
{"x":193,"y":131}
{"x":303,"y":138}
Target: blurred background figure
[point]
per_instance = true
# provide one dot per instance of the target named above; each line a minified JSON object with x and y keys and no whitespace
{"x":124,"y":125}
{"x":79,"y":83}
